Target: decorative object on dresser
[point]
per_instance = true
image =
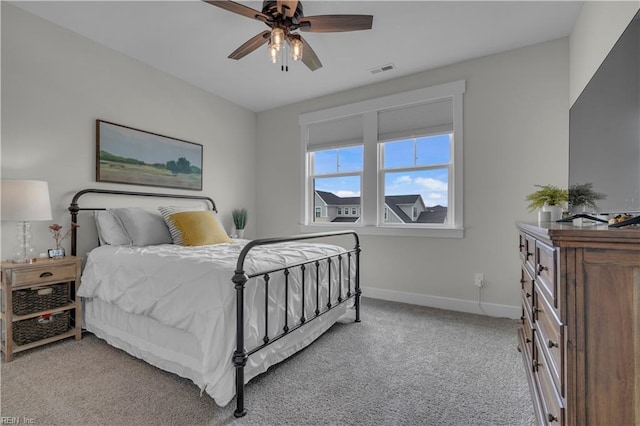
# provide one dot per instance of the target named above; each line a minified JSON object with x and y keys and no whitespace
{"x":239,"y":221}
{"x":132,"y":156}
{"x":581,"y":197}
{"x":548,"y":198}
{"x":580,"y":333}
{"x":39,"y":304}
{"x":24,"y":201}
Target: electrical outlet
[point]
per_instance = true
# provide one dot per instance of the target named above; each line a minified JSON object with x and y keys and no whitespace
{"x":479,"y":279}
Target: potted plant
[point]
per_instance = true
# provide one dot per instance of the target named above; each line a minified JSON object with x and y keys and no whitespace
{"x":239,"y":221}
{"x":549,"y":198}
{"x":582,"y":196}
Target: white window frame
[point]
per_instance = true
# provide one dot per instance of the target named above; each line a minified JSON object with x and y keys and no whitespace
{"x":370,"y":220}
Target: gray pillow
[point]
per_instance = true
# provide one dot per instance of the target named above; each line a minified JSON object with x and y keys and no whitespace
{"x":110,"y":230}
{"x":143,"y":227}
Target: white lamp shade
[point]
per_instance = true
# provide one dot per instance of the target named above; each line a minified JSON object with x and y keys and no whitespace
{"x":25,"y":200}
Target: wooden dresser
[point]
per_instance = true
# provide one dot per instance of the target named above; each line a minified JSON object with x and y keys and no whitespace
{"x":580,"y":334}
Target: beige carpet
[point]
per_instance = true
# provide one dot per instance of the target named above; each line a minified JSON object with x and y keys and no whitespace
{"x":403,"y":364}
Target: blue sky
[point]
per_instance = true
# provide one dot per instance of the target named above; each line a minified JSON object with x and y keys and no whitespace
{"x":432,"y":184}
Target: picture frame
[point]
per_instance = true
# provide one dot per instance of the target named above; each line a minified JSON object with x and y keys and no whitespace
{"x":137,"y":157}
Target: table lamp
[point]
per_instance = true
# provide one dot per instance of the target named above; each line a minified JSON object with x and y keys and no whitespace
{"x":24,"y":201}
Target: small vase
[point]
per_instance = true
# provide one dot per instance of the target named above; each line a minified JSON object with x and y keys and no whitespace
{"x":556,"y":212}
{"x":240,"y":233}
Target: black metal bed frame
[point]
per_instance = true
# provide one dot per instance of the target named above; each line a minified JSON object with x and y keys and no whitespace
{"x":240,"y":279}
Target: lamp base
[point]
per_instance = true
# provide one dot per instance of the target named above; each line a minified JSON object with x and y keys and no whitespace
{"x":26,"y":252}
{"x":27,"y":255}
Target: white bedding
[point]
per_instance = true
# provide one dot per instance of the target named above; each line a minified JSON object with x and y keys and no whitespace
{"x":190,"y":289}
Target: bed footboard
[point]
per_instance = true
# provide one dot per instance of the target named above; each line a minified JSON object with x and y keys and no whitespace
{"x":241,"y":354}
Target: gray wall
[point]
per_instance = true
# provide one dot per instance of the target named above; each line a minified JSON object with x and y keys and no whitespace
{"x":55,"y":84}
{"x":516,"y":135}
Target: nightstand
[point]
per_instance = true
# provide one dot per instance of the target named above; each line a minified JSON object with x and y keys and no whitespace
{"x":39,"y":303}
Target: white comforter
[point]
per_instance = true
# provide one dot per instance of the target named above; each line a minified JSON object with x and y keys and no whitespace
{"x":190,"y":288}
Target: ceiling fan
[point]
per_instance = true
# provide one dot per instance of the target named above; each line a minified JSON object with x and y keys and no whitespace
{"x":284,"y":17}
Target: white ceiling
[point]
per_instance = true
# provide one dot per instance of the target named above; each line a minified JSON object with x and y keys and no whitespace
{"x":191,"y":40}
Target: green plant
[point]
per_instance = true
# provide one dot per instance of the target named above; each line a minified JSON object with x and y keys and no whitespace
{"x":239,"y":218}
{"x":550,"y":195}
{"x":582,"y":194}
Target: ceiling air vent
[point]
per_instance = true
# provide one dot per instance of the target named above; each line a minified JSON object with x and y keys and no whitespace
{"x":382,"y":68}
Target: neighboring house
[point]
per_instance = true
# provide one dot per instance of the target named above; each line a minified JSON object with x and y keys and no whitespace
{"x":331,"y":208}
{"x":397,"y":209}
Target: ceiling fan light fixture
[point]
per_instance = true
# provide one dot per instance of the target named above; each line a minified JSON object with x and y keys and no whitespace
{"x":272,"y":54}
{"x":296,"y":49}
{"x":277,"y":38}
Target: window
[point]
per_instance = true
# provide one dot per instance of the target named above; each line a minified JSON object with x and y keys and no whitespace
{"x":336,"y":177}
{"x":416,"y":171}
{"x":318,"y":211}
{"x":396,"y":161}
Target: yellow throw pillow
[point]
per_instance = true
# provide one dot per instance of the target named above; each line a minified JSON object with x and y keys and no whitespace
{"x":199,"y":228}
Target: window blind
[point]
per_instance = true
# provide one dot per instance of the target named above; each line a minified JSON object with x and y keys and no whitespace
{"x":332,"y":134}
{"x":416,"y":120}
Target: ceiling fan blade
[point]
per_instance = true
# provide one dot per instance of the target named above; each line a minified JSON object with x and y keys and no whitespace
{"x":238,"y":8}
{"x":287,"y":7}
{"x":335,"y":23}
{"x":250,"y":45}
{"x":309,"y":57}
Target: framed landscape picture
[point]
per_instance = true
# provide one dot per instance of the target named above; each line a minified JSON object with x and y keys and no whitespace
{"x":132,"y":156}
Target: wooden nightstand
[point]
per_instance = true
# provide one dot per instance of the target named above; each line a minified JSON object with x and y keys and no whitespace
{"x":43,"y":296}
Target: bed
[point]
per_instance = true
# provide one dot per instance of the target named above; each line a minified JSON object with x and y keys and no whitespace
{"x":217,"y":314}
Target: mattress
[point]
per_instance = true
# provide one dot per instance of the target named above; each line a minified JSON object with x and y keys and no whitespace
{"x":174,"y":306}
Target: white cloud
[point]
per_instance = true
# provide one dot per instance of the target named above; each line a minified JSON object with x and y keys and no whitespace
{"x":403,"y":179}
{"x":434,"y":196}
{"x":431,"y":184}
{"x":347,"y":194}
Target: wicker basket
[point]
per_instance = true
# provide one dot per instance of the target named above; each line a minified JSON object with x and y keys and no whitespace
{"x":39,"y":299}
{"x":45,"y":326}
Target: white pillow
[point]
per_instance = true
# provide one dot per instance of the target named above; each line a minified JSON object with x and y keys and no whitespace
{"x":110,"y":230}
{"x":143,"y":227}
{"x":167,"y":211}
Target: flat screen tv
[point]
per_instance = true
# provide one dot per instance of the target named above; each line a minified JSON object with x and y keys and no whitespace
{"x":604,"y":128}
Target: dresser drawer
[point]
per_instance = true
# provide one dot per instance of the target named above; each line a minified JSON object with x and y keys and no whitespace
{"x":43,"y":275}
{"x":551,"y":401}
{"x":522,"y":246}
{"x":526,"y":283}
{"x":545,"y":271}
{"x":529,"y":253}
{"x":528,"y":329}
{"x":550,"y":336}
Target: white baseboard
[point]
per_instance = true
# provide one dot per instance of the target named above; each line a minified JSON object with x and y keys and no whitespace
{"x":460,"y":305}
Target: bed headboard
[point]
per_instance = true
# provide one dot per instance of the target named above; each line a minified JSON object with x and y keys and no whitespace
{"x":74,"y":207}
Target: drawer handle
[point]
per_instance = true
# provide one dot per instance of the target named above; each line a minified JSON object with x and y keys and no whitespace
{"x":527,"y":340}
{"x":535,"y":364}
{"x":46,"y":274}
{"x":527,"y":294}
{"x":552,"y":344}
{"x":536,"y":310}
{"x":551,"y":418}
{"x":542,"y":268}
{"x":521,"y":246}
{"x":529,"y":254}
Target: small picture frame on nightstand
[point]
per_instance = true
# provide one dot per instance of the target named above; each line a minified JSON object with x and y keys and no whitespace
{"x":56,"y":253}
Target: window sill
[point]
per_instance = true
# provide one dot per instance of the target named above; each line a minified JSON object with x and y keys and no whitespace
{"x":387,"y":230}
